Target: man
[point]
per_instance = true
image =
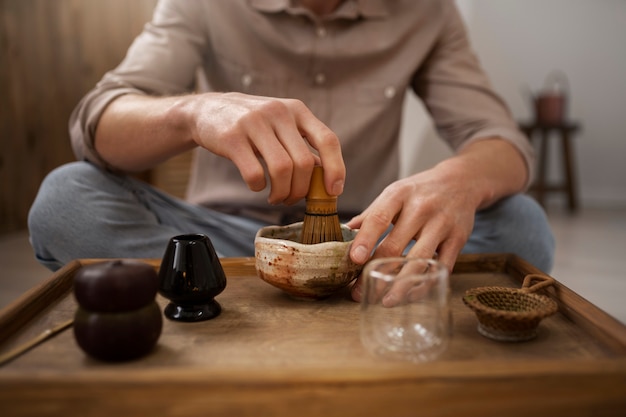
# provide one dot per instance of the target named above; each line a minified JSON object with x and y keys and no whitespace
{"x":292,"y":84}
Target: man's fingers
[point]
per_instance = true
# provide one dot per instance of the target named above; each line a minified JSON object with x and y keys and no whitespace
{"x":327,"y":144}
{"x":371,"y":229}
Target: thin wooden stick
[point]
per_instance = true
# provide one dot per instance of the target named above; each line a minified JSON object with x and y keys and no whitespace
{"x":321,"y":221}
{"x":25,"y":347}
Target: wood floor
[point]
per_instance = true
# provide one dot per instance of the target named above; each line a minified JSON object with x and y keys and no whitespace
{"x":590,"y":259}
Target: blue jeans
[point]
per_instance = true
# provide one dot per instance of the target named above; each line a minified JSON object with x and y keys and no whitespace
{"x":84,"y":212}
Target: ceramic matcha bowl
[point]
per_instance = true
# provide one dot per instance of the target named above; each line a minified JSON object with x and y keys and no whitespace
{"x":309,"y":272}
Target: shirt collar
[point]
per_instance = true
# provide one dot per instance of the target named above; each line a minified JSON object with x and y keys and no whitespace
{"x":350,"y":8}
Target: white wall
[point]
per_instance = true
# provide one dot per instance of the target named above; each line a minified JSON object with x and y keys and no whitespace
{"x":520,"y":42}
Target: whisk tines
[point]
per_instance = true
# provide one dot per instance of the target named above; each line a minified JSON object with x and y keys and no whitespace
{"x":321,"y":221}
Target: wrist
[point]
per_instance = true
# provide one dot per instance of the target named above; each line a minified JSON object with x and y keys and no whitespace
{"x":492,"y":168}
{"x":460,"y":172}
{"x":181,"y":116}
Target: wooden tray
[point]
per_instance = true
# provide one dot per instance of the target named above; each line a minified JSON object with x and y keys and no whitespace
{"x":267,"y":354}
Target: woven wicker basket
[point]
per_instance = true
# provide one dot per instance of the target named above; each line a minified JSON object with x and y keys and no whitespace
{"x":510,"y":314}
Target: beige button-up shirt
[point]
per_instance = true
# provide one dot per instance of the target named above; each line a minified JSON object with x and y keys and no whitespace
{"x":351,"y":68}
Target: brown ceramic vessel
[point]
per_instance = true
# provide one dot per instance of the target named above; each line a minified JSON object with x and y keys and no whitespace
{"x":309,"y":272}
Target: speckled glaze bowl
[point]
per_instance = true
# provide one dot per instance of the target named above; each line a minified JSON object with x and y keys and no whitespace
{"x":308,"y":272}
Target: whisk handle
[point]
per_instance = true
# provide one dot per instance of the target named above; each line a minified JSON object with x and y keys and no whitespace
{"x":317,"y":189}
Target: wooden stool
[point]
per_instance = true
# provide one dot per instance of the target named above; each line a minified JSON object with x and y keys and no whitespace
{"x":565,"y":131}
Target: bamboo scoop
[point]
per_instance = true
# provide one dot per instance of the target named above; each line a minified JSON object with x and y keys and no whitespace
{"x":321,"y":221}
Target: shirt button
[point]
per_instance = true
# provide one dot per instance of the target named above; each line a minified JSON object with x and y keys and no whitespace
{"x":321,"y":31}
{"x":246,"y":80}
{"x":320,"y":78}
{"x":390,"y":92}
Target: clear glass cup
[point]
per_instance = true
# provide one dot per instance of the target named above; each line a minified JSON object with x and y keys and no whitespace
{"x":405,"y":308}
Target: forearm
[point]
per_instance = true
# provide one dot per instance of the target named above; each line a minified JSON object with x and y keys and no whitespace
{"x":263,"y":137}
{"x":137,"y":132}
{"x":491,"y":168}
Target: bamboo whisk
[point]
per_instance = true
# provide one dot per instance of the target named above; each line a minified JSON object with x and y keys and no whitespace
{"x":321,"y":221}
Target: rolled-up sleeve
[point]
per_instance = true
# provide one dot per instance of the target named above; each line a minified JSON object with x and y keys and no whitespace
{"x":162,"y":60}
{"x":459,"y":96}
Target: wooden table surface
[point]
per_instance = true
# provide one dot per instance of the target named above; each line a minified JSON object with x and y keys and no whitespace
{"x":268,"y":354}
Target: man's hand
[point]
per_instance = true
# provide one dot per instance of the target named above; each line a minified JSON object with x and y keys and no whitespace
{"x":431,"y":208}
{"x":250,"y":130}
{"x":436,"y":208}
{"x":258,"y":134}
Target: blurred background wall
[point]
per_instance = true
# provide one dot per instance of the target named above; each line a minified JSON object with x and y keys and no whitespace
{"x":519,"y":44}
{"x":53,"y":51}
